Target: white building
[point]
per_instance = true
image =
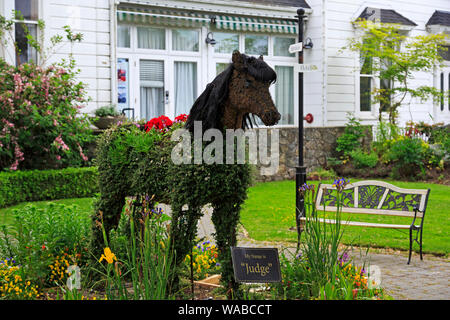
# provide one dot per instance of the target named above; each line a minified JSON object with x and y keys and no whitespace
{"x":152,"y":55}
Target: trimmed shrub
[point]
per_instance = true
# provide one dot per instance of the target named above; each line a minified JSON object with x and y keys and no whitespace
{"x":37,"y":185}
{"x":363,"y":159}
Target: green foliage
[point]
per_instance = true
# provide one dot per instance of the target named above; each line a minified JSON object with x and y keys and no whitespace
{"x":441,"y":136}
{"x":41,"y":126}
{"x":147,"y":261}
{"x":41,"y":234}
{"x":379,"y":44}
{"x":408,"y":155}
{"x":105,"y":111}
{"x":35,"y":185}
{"x":363,"y":159}
{"x":352,"y":137}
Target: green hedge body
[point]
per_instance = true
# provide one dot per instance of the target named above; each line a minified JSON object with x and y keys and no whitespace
{"x":37,"y":185}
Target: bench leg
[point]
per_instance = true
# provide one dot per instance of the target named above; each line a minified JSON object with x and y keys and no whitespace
{"x":410,"y":245}
{"x":421,"y":258}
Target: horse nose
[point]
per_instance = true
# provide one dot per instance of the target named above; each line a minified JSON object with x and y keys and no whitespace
{"x":275,"y":116}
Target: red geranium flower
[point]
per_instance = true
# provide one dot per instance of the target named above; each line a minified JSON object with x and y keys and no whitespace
{"x":181,"y":118}
{"x":160,"y":123}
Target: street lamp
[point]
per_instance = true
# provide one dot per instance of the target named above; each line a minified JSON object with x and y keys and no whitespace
{"x":300,"y":174}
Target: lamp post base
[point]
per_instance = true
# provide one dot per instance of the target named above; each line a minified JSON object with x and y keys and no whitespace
{"x":300,"y":179}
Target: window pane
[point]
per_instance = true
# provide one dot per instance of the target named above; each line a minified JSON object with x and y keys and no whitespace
{"x":28,"y":8}
{"x":151,"y":38}
{"x":257,"y":45}
{"x":284,"y":94}
{"x":365,"y":87}
{"x":151,"y":76}
{"x":185,"y":86}
{"x":185,"y":40}
{"x":24,"y":52}
{"x":445,"y":53}
{"x":226,"y":42}
{"x":442,"y":91}
{"x":281,"y":46}
{"x":123,"y":36}
{"x":385,"y":84}
{"x":220,"y":67}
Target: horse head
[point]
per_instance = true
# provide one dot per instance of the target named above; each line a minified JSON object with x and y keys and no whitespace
{"x":235,"y":94}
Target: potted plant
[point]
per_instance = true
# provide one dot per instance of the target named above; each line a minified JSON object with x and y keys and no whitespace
{"x":106,"y":116}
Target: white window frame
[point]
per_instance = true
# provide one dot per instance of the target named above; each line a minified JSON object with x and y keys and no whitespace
{"x":206,"y":60}
{"x":271,"y":60}
{"x":6,"y":8}
{"x":169,"y":56}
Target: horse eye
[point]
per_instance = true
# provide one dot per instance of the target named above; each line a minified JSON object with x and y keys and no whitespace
{"x":248,"y":83}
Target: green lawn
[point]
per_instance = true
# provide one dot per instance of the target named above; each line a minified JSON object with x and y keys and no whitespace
{"x":83,"y":204}
{"x":268,"y":214}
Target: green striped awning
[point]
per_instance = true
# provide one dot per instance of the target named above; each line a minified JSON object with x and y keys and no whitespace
{"x":164,"y":17}
{"x":255,"y":24}
{"x":180,"y":18}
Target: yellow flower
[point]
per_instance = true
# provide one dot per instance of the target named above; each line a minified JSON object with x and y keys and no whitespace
{"x":108,"y":256}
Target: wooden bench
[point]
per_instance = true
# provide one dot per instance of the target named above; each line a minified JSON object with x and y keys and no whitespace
{"x":376,"y":198}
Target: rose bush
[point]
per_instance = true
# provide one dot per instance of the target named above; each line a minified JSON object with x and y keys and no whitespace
{"x":41,"y":126}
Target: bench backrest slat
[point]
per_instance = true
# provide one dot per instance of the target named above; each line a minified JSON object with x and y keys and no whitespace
{"x":373,"y":197}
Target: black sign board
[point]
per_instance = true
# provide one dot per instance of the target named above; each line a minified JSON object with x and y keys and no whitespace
{"x":256,"y":264}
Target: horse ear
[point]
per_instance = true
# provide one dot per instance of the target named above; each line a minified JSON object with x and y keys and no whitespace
{"x":237,"y":57}
{"x":261,"y":57}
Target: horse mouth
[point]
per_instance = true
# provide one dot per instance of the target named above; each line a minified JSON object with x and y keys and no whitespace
{"x":270,"y":118}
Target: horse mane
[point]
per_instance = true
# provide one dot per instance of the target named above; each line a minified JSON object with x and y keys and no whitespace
{"x":208,"y":107}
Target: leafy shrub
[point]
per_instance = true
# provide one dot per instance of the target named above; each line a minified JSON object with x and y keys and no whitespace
{"x":106,"y":111}
{"x":363,"y":159}
{"x":35,"y":185}
{"x":352,"y":137}
{"x":44,"y":238}
{"x":408,"y":155}
{"x":41,"y":126}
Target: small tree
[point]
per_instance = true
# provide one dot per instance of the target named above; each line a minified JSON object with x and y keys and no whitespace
{"x":395,"y":57}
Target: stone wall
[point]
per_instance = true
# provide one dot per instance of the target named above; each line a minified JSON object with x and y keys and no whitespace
{"x":319,"y":143}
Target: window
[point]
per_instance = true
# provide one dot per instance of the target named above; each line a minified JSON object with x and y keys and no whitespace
{"x":445,"y":53}
{"x":185,"y":86}
{"x":220,"y":67}
{"x":151,"y":38}
{"x":365,"y":84}
{"x":226,"y":42}
{"x":284,"y":93}
{"x":257,"y":45}
{"x":185,"y":40}
{"x":123,"y":36}
{"x":442,"y":91}
{"x":281,"y":46}
{"x":29,"y":11}
{"x":151,"y":76}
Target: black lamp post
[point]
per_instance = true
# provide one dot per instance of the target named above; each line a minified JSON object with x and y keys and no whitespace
{"x":300,"y":175}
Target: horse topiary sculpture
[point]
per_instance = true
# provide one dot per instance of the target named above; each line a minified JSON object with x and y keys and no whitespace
{"x":132,"y":162}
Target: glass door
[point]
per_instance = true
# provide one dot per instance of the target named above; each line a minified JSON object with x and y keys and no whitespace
{"x":151,"y":81}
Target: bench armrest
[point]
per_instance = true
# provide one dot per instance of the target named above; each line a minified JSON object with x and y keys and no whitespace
{"x":416,"y":209}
